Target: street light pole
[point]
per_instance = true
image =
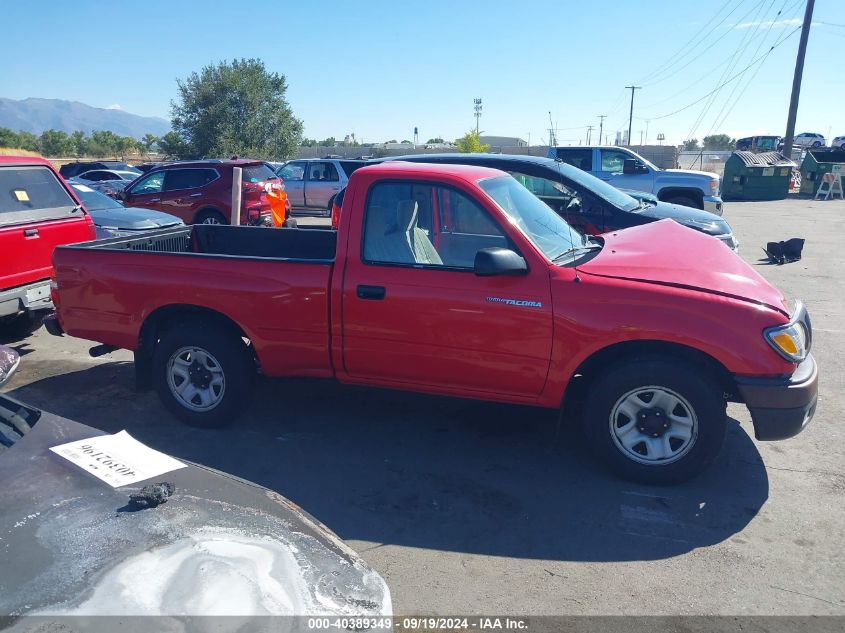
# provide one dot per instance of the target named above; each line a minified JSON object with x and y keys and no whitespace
{"x":602,"y":117}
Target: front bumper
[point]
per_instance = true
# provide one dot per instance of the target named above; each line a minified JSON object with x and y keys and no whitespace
{"x":28,"y":298}
{"x":781,"y":407}
{"x":713,"y":204}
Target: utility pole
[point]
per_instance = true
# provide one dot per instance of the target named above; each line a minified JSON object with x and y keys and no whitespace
{"x":589,"y":133}
{"x":641,"y":137}
{"x":602,"y":117}
{"x":796,"y":80}
{"x":647,"y":121}
{"x":477,"y":107}
{"x":631,"y":114}
{"x":552,"y":139}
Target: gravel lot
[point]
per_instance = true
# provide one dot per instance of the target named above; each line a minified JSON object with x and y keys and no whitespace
{"x":466,"y":507}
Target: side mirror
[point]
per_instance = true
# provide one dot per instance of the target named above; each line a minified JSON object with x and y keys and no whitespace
{"x":633,"y":166}
{"x":122,"y":195}
{"x":9,"y":360}
{"x":498,"y":261}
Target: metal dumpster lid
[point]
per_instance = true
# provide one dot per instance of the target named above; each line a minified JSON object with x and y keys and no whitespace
{"x":764,"y":159}
{"x":827,"y":155}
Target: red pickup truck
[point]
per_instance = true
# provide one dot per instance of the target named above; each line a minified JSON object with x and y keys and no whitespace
{"x":456,"y":280}
{"x":38,"y":211}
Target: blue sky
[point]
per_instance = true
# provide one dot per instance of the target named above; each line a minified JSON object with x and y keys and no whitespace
{"x":379,"y":68}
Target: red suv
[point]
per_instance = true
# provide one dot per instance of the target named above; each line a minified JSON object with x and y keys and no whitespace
{"x":38,"y":212}
{"x":200,"y":192}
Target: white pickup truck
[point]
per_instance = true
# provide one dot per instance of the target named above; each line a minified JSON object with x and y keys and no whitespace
{"x":625,"y":169}
{"x":312,"y":183}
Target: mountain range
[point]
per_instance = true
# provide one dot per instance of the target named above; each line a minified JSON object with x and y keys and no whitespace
{"x":36,"y":115}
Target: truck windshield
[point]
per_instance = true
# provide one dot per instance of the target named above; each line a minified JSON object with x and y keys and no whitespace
{"x":543,"y":227}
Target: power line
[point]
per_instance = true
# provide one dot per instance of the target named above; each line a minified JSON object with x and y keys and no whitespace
{"x":719,"y":87}
{"x":673,"y":58}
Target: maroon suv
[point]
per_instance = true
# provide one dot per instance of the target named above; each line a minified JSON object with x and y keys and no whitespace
{"x":200,"y":192}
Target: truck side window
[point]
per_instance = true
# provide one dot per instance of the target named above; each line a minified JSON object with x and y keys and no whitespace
{"x":613,"y":160}
{"x":420,"y":224}
{"x":580,"y":158}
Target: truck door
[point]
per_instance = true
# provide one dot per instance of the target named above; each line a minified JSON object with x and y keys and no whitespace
{"x":36,"y":215}
{"x":293,"y":175}
{"x":322,"y":182}
{"x":414,"y":312}
{"x":612,"y":162}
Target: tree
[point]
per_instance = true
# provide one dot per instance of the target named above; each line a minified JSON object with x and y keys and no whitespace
{"x":329,"y":142}
{"x":28,"y":141}
{"x":55,"y":143}
{"x":172,"y":145}
{"x":235,"y":108}
{"x":148,"y":141}
{"x":8,"y":138}
{"x":436,"y":139}
{"x":79,"y":143}
{"x":104,"y":143}
{"x":691,"y":145}
{"x":470,"y":143}
{"x":719,"y":142}
{"x":308,"y":142}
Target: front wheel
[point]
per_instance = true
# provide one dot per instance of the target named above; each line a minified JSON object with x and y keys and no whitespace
{"x":655,"y":421}
{"x":202,"y":373}
{"x":684,"y":201}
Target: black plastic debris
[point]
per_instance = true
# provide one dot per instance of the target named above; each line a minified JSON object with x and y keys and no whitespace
{"x":784,"y":252}
{"x":150,"y":496}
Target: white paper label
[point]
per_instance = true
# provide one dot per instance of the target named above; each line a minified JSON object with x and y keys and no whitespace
{"x":117,"y":459}
{"x":768,"y":171}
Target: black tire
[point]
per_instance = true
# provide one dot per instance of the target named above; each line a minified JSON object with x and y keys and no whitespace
{"x":18,"y":326}
{"x":684,"y":201}
{"x":701,"y":392}
{"x":210,"y":216}
{"x":817,"y":143}
{"x":231,"y":358}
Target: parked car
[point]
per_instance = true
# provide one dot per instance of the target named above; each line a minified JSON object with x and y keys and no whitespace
{"x":760,"y":144}
{"x":627,"y":170}
{"x":312,"y":183}
{"x":809,"y":139}
{"x":112,"y":219}
{"x":457,"y":280}
{"x":200,"y":192}
{"x":103,"y":175}
{"x":587,"y":203}
{"x":838,"y":142}
{"x":70,"y":170}
{"x":74,"y":545}
{"x":38,"y":211}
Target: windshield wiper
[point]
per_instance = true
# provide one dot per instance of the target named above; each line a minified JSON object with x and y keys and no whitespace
{"x":575,"y":249}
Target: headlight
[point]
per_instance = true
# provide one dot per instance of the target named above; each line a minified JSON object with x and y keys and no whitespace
{"x":714,"y":186}
{"x":791,"y":340}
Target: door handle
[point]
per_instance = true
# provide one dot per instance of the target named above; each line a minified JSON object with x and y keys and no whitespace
{"x":155,"y":199}
{"x":30,"y":232}
{"x":375,"y":293}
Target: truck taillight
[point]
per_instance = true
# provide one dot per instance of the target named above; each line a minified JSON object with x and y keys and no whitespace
{"x":254,"y":213}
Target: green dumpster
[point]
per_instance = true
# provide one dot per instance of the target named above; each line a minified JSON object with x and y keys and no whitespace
{"x":817,"y":163}
{"x":750,"y":176}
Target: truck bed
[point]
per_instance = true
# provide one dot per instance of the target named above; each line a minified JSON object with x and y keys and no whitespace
{"x":312,"y":245}
{"x":273,"y":284}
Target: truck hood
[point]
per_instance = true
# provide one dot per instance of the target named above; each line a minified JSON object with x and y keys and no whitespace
{"x":709,"y":175}
{"x":667,"y":253}
{"x":697,"y":219}
{"x":133,"y":218}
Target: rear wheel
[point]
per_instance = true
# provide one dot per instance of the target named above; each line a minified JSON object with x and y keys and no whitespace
{"x":655,"y":421}
{"x":684,"y":201}
{"x":203,"y":373}
{"x":817,"y":143}
{"x":210,"y":217}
